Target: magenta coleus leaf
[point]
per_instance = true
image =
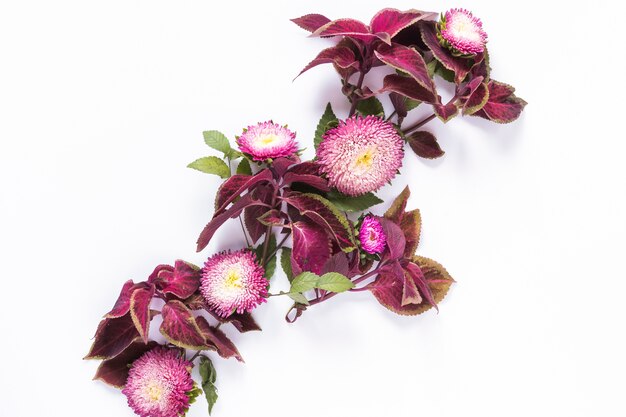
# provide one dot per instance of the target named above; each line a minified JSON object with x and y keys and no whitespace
{"x":424,"y":144}
{"x":340,"y":56}
{"x":445,"y":112}
{"x":255,"y":228}
{"x":243,"y":322}
{"x":409,"y":61}
{"x":321,"y":211}
{"x":232,"y":212}
{"x":140,"y":310}
{"x":410,"y":222}
{"x":218,"y":340}
{"x":272,"y":218}
{"x":311,"y":22}
{"x":179,"y":326}
{"x":392,"y":21}
{"x":122,"y":305}
{"x":311,"y":247}
{"x":112,"y":337}
{"x":237,"y":185}
{"x":408,"y":87}
{"x":502,"y":106}
{"x":460,"y":66}
{"x":114,"y":371}
{"x":419,"y":280}
{"x":338,"y":263}
{"x":346,"y":27}
{"x":182,"y":280}
{"x":396,"y":241}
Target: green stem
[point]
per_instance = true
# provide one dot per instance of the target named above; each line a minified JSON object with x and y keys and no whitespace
{"x":280,"y":245}
{"x":356,"y":99}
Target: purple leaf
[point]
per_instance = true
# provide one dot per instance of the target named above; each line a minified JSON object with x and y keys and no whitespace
{"x":160,"y":269}
{"x":395,"y":238}
{"x":243,"y":322}
{"x":460,"y":66}
{"x":311,"y":22}
{"x":182,"y":281}
{"x":281,"y":165}
{"x":140,"y":310}
{"x":232,"y":212}
{"x":425,"y":145}
{"x":407,"y":87}
{"x":251,"y":214}
{"x":112,"y":337}
{"x":503,"y":106}
{"x":115,"y":371}
{"x":179,"y":326}
{"x":476,"y":99}
{"x":396,"y":210}
{"x":410,"y":222}
{"x":122,"y":305}
{"x":311,"y":247}
{"x":445,"y":112}
{"x":392,"y":21}
{"x":272,"y":218}
{"x":420,"y":281}
{"x":407,"y":60}
{"x":346,"y":27}
{"x":196,"y":302}
{"x":217,"y":339}
{"x":235,"y":186}
{"x":337,"y":263}
{"x":322,"y":212}
{"x":340,"y":56}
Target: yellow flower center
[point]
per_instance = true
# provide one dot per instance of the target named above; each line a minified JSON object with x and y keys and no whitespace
{"x":267,"y":139}
{"x":365,"y":159}
{"x":154,"y":392}
{"x":233,"y":279}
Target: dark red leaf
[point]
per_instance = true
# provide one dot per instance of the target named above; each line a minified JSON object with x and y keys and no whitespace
{"x":311,"y":247}
{"x":408,"y":87}
{"x":460,"y":66}
{"x":140,"y":310}
{"x":411,"y":226}
{"x":115,"y":371}
{"x":281,"y":165}
{"x":180,"y":328}
{"x":232,"y":212}
{"x":160,"y":269}
{"x":243,"y":322}
{"x":338,"y":263}
{"x":346,"y":27}
{"x":396,"y":210}
{"x":196,"y":302}
{"x":445,"y":112}
{"x":112,"y":337}
{"x":255,"y":228}
{"x":311,"y":22}
{"x":122,"y":305}
{"x":216,"y":338}
{"x":407,"y":60}
{"x":182,"y":281}
{"x":395,"y":239}
{"x":425,"y":145}
{"x":503,"y":106}
{"x":392,"y":21}
{"x":419,"y":280}
{"x":235,"y":186}
{"x":322,"y":212}
{"x":272,"y":218}
{"x":340,"y":56}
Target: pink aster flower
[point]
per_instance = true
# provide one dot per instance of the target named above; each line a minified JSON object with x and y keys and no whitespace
{"x":462,"y":32}
{"x":233,"y":282}
{"x":361,"y":154}
{"x":372,"y":236}
{"x":267,"y":140}
{"x":159,"y":384}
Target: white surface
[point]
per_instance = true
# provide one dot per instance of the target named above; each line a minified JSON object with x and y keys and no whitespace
{"x":102,"y":105}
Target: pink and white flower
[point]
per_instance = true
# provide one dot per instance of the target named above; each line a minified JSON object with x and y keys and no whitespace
{"x":361,"y":154}
{"x":372,"y":236}
{"x":462,"y":32}
{"x":159,"y":384}
{"x":267,"y":140}
{"x":233,"y":282}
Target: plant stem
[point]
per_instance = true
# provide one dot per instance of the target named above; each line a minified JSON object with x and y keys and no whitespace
{"x":362,"y":278}
{"x":355,"y":100}
{"x":280,"y":245}
{"x":195,"y":356}
{"x":419,"y":124}
{"x":391,"y":115}
{"x":243,"y":229}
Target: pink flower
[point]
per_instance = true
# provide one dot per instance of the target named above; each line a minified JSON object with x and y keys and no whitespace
{"x":233,"y":282}
{"x":462,"y":32}
{"x":372,"y":236}
{"x":267,"y":140}
{"x":361,"y":154}
{"x":159,"y":384}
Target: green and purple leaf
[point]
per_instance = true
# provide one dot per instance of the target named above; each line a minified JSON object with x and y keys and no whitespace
{"x":396,"y":241}
{"x":112,"y":337}
{"x":340,"y":56}
{"x":306,"y":173}
{"x":242,"y":322}
{"x":311,"y":247}
{"x":409,"y":61}
{"x":179,"y":326}
{"x":445,"y":112}
{"x":237,"y":185}
{"x":408,"y":87}
{"x":348,"y":27}
{"x":114,"y":371}
{"x":182,"y":281}
{"x":460,"y":66}
{"x":392,"y":21}
{"x":311,"y":22}
{"x":502,"y":106}
{"x":122,"y":305}
{"x":217,"y":339}
{"x":475,"y":97}
{"x":140,"y":310}
{"x":251,"y":215}
{"x":425,"y":145}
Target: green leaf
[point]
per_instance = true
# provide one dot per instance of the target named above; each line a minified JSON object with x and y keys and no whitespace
{"x":298,"y":298}
{"x":211,"y":165}
{"x":285,"y":262}
{"x":220,"y":142}
{"x":411,"y":104}
{"x":244,"y":167}
{"x":208,"y":374}
{"x":371,"y":106}
{"x":334,"y":282}
{"x":347,"y":203}
{"x":304,"y":282}
{"x":328,"y":119}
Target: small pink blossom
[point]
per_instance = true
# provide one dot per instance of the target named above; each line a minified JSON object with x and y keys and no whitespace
{"x":233,"y":282}
{"x":361,"y":154}
{"x":372,"y":236}
{"x":159,"y":384}
{"x":461,"y":31}
{"x":267,"y":140}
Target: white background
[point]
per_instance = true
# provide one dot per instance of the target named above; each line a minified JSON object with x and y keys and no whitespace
{"x":102,"y":105}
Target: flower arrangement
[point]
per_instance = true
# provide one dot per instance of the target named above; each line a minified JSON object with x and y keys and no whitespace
{"x":299,"y":213}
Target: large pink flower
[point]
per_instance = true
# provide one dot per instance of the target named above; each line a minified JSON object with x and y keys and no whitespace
{"x":361,"y":154}
{"x":462,"y":32}
{"x":233,"y":282}
{"x":372,"y":236}
{"x":159,"y":384}
{"x":267,"y":140}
